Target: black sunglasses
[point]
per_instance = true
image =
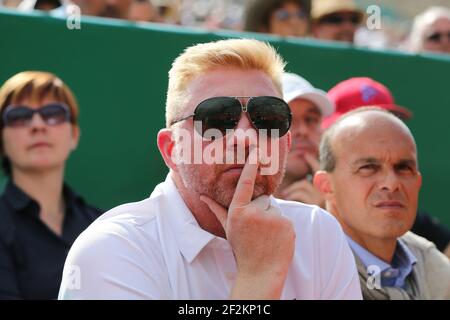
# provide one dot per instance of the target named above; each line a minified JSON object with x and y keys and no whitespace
{"x":437,"y":36}
{"x":224,"y":113}
{"x":338,"y":19}
{"x":20,"y":116}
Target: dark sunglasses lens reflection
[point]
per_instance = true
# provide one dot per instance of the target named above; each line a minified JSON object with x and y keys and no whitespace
{"x":224,"y":113}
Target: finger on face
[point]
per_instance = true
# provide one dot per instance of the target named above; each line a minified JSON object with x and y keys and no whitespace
{"x":312,"y":161}
{"x":246,"y":184}
{"x":219,"y":211}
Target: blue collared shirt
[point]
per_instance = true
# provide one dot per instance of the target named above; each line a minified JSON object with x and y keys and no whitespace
{"x":392,"y":275}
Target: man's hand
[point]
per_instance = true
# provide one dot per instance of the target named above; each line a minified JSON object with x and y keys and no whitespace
{"x":262,"y":240}
{"x":303,"y":191}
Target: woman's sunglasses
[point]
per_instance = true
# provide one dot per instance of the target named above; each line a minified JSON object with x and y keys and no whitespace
{"x":21,"y":116}
{"x":283,"y":15}
{"x":338,"y":19}
{"x":224,"y":113}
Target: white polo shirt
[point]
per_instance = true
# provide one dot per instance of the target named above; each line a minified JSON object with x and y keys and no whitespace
{"x":155,"y":249}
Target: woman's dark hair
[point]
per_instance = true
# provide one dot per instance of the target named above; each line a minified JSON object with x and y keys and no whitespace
{"x":257,"y":12}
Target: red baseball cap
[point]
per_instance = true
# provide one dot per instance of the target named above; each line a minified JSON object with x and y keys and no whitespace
{"x":360,"y":92}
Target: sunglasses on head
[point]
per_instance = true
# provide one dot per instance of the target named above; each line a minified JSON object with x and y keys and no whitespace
{"x":340,"y":19}
{"x":437,"y":36}
{"x":224,"y":113}
{"x":283,"y":14}
{"x":21,"y":116}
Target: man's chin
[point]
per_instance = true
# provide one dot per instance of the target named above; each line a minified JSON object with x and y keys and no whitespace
{"x":225,"y":188}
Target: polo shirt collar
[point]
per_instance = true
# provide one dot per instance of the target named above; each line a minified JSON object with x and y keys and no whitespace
{"x":15,"y":197}
{"x":402,"y":262}
{"x":18,"y":200}
{"x":191,"y":238}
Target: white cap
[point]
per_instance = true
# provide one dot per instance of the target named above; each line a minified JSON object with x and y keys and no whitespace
{"x":295,"y":87}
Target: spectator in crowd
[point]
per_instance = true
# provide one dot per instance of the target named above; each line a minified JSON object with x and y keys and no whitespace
{"x":370,"y":179}
{"x":144,"y":11}
{"x":308,"y":106}
{"x":279,"y":17}
{"x":45,"y":5}
{"x":40,"y":215}
{"x":431,"y":31}
{"x":118,"y":9}
{"x":335,"y":20}
{"x":359,"y":92}
{"x":212,"y":229}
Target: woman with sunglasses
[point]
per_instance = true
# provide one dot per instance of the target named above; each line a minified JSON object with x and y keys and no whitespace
{"x":286,"y":18}
{"x":40,"y":216}
{"x":431,"y":31}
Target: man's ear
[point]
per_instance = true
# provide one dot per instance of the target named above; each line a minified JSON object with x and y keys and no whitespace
{"x":323,"y":184}
{"x":289,"y":140}
{"x":166,"y":146}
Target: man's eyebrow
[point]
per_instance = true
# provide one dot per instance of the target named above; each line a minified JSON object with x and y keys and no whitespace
{"x":314,"y":109}
{"x":407,"y":162}
{"x":365,"y":161}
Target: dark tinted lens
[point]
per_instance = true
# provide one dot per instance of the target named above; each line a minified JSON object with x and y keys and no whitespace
{"x":339,"y":19}
{"x":17,"y":116}
{"x":270,"y":113}
{"x":54,"y":114}
{"x":434,"y":37}
{"x":220,"y":113}
{"x":355,"y":19}
{"x":332,"y":19}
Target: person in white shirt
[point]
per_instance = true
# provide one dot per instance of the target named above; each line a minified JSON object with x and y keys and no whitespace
{"x":212,"y":230}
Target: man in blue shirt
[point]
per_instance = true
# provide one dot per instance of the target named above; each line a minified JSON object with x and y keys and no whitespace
{"x":370,"y":180}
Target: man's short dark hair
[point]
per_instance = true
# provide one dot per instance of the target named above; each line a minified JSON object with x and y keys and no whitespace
{"x":327,"y":158}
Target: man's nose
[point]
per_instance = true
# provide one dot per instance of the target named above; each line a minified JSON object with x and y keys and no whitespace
{"x":244,"y":122}
{"x":299,"y":128}
{"x":390,"y":181}
{"x":244,"y":135}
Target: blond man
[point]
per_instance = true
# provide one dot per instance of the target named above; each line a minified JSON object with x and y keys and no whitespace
{"x":212,"y":230}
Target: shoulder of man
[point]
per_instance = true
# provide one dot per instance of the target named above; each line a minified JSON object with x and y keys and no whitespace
{"x":417,"y":242}
{"x":307,"y":213}
{"x":434,"y":264}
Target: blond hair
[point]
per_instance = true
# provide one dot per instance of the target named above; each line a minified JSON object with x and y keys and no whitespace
{"x":244,"y":54}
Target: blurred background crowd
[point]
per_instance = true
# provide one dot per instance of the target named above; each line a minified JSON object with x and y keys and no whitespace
{"x":413,"y":25}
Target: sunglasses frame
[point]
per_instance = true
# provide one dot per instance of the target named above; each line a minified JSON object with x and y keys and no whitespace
{"x":336,"y":19}
{"x":284,"y":15}
{"x":65,"y":107}
{"x":244,"y":109}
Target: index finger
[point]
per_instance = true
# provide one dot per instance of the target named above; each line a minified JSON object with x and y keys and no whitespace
{"x":244,"y":189}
